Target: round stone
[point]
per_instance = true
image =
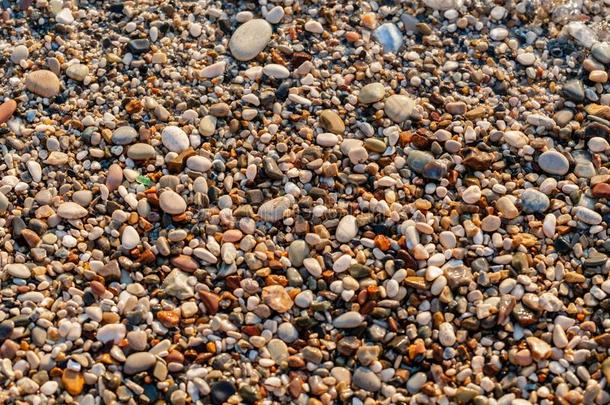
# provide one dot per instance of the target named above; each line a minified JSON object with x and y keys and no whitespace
{"x":287,"y":332}
{"x":297,"y":252}
{"x":366,"y":379}
{"x":516,"y":139}
{"x":175,"y":139}
{"x":172,"y":203}
{"x":124,"y":135}
{"x":371,"y":93}
{"x":249,"y":39}
{"x":601,"y":52}
{"x":446,"y":334}
{"x":43,"y":83}
{"x":332,"y":122}
{"x":276,"y":297}
{"x":554,"y":162}
{"x":20,"y":52}
{"x":6,"y":110}
{"x":534,"y":201}
{"x":398,"y":107}
{"x":471,"y":195}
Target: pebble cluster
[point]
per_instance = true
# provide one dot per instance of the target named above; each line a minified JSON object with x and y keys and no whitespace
{"x":308,"y":202}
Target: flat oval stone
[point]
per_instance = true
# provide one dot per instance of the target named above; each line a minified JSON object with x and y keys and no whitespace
{"x":389,"y":36}
{"x":348,"y":320}
{"x":398,"y":107}
{"x":71,"y":210}
{"x":18,"y":270}
{"x":366,"y":379}
{"x":124,"y":135}
{"x":172,"y":203}
{"x":6,"y":110}
{"x":138,"y":362}
{"x":199,"y":163}
{"x":371,"y":93}
{"x":347,"y":229}
{"x":554,"y":162}
{"x":249,"y":39}
{"x":43,"y":82}
{"x":141,"y":151}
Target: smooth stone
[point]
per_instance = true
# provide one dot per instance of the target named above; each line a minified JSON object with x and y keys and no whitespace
{"x":297,"y":252}
{"x":456,"y":108}
{"x":115,"y":177}
{"x":347,"y":229}
{"x":124,"y":135}
{"x":273,"y":210}
{"x":19,"y":53}
{"x":526,"y":58}
{"x":77,"y":72}
{"x":199,"y":163}
{"x":539,"y":348}
{"x":507,"y":207}
{"x":540,"y":120}
{"x":172,"y":202}
{"x":175,"y":139}
{"x":587,"y":215}
{"x":446,"y":334}
{"x":601,"y":52}
{"x":82,"y":197}
{"x":130,"y":238}
{"x":389,"y":36}
{"x":221,"y":391}
{"x":554,"y":162}
{"x":398,"y":107}
{"x":574,"y":90}
{"x":71,"y":210}
{"x":516,"y":139}
{"x":371,"y":93}
{"x":598,"y":144}
{"x":141,"y":151}
{"x":348,"y":320}
{"x":207,"y":125}
{"x":330,"y":121}
{"x":43,"y":83}
{"x":366,"y":379}
{"x":275,"y":15}
{"x":113,"y":332}
{"x":533,"y":201}
{"x":249,"y":39}
{"x":214,"y":70}
{"x":287,"y":332}
{"x":277,"y":350}
{"x":471,"y":195}
{"x":276,"y":71}
{"x":18,"y":270}
{"x":442,"y":4}
{"x":138,"y":46}
{"x":563,"y":117}
{"x":327,"y":139}
{"x":72,"y":381}
{"x":6,"y":110}
{"x":138,"y":362}
{"x":417,"y":160}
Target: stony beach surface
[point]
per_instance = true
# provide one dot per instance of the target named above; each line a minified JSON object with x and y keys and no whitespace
{"x":273,"y":202}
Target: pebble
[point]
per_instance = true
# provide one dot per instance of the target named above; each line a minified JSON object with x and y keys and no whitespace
{"x":19,"y":53}
{"x":6,"y":110}
{"x":249,"y":39}
{"x":348,"y":320}
{"x":124,"y":135}
{"x":77,"y":72}
{"x":172,"y":203}
{"x":398,"y":107}
{"x":141,"y":151}
{"x":138,"y":362}
{"x":371,"y":93}
{"x":601,"y":52}
{"x":71,"y":210}
{"x":174,"y":139}
{"x":332,"y":122}
{"x":554,"y":162}
{"x":389,"y":36}
{"x":43,"y":83}
{"x":18,"y":270}
{"x":347,"y":229}
{"x":366,"y":379}
{"x":276,"y":297}
{"x":533,"y":201}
